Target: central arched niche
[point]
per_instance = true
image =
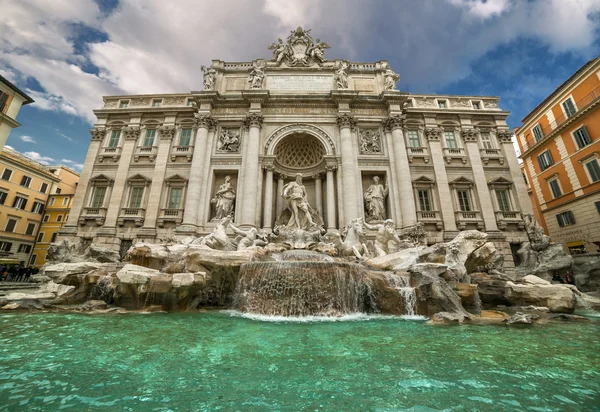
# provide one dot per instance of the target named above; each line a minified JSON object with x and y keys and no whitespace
{"x":300,"y":153}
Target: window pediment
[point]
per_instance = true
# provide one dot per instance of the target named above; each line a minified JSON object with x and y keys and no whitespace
{"x":176,"y":179}
{"x":102,"y":179}
{"x":423,"y":181}
{"x":500,"y":182}
{"x":138,"y":178}
{"x":462,"y":181}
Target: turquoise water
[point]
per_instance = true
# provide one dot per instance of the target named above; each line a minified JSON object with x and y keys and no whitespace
{"x":215,"y":361}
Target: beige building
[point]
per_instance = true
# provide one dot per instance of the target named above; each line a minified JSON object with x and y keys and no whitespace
{"x":170,"y":165}
{"x":24,"y":189}
{"x":56,"y":213}
{"x":11,"y":100}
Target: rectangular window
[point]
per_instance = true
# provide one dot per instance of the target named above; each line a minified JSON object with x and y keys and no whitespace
{"x":44,"y":187}
{"x":98,"y":197}
{"x":424,"y":200}
{"x":20,"y":202}
{"x":24,"y":249}
{"x":46,"y":218}
{"x":413,"y":138}
{"x":555,"y":188}
{"x":450,"y":140}
{"x":442,"y":104}
{"x":113,"y":141}
{"x":582,"y":138}
{"x":137,"y":194}
{"x":10,"y":225}
{"x":65,"y":201}
{"x":156,"y":102}
{"x":32,"y":260}
{"x":486,"y":140}
{"x":124,"y":104}
{"x":545,"y":160}
{"x":149,"y":139}
{"x":59,"y":218}
{"x":3,"y":99}
{"x":597,"y":206}
{"x":525,"y":179}
{"x":5,"y":246}
{"x":52,"y":201}
{"x":40,"y":237}
{"x":464,"y":200}
{"x":6,"y":174}
{"x":30,"y":229}
{"x":565,"y":218}
{"x":37,"y":208}
{"x":537,"y":133}
{"x":186,"y":137}
{"x":594,"y":170}
{"x":53,"y":238}
{"x":503,"y":200}
{"x":3,"y":196}
{"x":58,"y":191}
{"x":175,"y":198}
{"x":25,"y":181}
{"x":569,"y":107}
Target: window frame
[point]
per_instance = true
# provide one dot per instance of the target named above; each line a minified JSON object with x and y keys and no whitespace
{"x":5,"y":246}
{"x":93,"y":196}
{"x":14,"y":228}
{"x":145,"y":138}
{"x":454,"y":139}
{"x":585,"y":162}
{"x":46,"y":218}
{"x":53,"y":237}
{"x":409,"y":140}
{"x":130,"y":199}
{"x":6,"y":169}
{"x":16,"y":202}
{"x":574,"y":135}
{"x":508,"y":199}
{"x":22,"y":248}
{"x":183,"y":129}
{"x":562,"y":105}
{"x":428,"y":198}
{"x":29,"y":224}
{"x":490,"y":140}
{"x":42,"y":186}
{"x":551,"y":160}
{"x":540,"y":130}
{"x":41,"y":207}
{"x":59,"y":218}
{"x":170,"y":197}
{"x":566,"y":218}
{"x":554,"y":179}
{"x":40,"y":237}
{"x":65,"y":201}
{"x":28,"y":182}
{"x":32,"y":260}
{"x":468,"y":199}
{"x":3,"y":198}
{"x":109,"y":142}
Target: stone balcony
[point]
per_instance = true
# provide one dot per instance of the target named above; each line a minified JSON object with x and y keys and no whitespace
{"x":417,"y":152}
{"x":145,"y":152}
{"x":170,"y":215}
{"x":93,"y":214}
{"x":430,"y":216}
{"x":504,"y":218}
{"x":131,"y":214}
{"x":182,"y":151}
{"x":488,"y":154}
{"x":455,"y":153}
{"x":112,"y":153}
{"x":464,"y":218}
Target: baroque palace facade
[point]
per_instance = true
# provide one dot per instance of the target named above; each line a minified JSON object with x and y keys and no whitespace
{"x":169,"y":165}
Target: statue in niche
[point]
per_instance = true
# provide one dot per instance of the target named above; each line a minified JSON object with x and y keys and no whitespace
{"x":209,"y":77}
{"x":341,"y":76}
{"x":229,"y":141}
{"x":248,"y":238}
{"x":390,"y":79}
{"x":301,"y":212}
{"x":223,"y":200}
{"x":375,"y":200}
{"x":386,"y":233}
{"x":256,"y":77}
{"x":370,"y":141}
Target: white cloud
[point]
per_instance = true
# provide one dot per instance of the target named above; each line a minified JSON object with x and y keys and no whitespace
{"x":483,"y":8}
{"x":45,"y":160}
{"x":27,"y":139}
{"x":71,"y":163}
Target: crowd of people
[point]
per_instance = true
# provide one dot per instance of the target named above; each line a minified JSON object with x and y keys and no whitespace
{"x":17,"y":273}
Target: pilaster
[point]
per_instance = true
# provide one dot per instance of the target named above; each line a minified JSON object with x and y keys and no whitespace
{"x":346,"y":123}
{"x":251,"y":171}
{"x":505,"y":139}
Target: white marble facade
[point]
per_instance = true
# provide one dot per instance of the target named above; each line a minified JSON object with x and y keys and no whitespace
{"x":156,"y":163}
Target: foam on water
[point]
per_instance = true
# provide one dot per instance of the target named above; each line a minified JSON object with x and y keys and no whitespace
{"x":350,"y":317}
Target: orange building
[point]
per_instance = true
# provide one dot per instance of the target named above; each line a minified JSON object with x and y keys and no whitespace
{"x":560,"y":146}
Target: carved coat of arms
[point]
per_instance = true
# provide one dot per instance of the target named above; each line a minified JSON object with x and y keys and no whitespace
{"x":299,"y":50}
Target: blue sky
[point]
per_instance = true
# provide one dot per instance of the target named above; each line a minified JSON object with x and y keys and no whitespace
{"x":67,"y":54}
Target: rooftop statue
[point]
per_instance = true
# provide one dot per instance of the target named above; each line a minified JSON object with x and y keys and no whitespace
{"x":209,"y":77}
{"x":299,"y":49}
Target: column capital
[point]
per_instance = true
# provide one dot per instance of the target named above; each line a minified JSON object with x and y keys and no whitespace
{"x":131,"y":132}
{"x":166,"y":132}
{"x":395,"y":121}
{"x":205,"y":120}
{"x":470,"y":135}
{"x":281,"y":176}
{"x":504,"y":136}
{"x":345,"y":120}
{"x":97,"y":134}
{"x":254,"y":119}
{"x":317,"y":176}
{"x":433,"y":133}
{"x":268,"y":167}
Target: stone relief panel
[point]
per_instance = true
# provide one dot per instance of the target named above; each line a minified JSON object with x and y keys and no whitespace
{"x":364,"y":85}
{"x":235,"y":83}
{"x":229,"y":140}
{"x":369,"y":141}
{"x":424,"y":102}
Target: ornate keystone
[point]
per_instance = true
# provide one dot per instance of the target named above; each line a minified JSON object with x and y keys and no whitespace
{"x":345,"y":120}
{"x":131,"y":132}
{"x":504,"y":136}
{"x":97,"y":134}
{"x":470,"y":135}
{"x":167,"y":132}
{"x":433,"y":133}
{"x":205,"y":120}
{"x":395,"y":121}
{"x":254,"y":119}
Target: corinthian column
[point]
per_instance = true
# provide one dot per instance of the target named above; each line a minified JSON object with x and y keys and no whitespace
{"x":505,"y":139}
{"x":204,"y":122}
{"x":346,"y":123}
{"x":330,"y":197}
{"x":251,"y":171}
{"x":400,"y":163}
{"x":268,"y":206}
{"x":318,"y":194}
{"x":279,"y":202}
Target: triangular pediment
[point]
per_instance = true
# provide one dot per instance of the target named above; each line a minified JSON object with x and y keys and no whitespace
{"x":139,"y":178}
{"x":101,"y":178}
{"x":462,"y":181}
{"x":500,"y":181}
{"x":423,"y":180}
{"x":176,"y":178}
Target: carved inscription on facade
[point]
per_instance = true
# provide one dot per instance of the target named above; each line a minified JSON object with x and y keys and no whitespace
{"x":300,"y":110}
{"x":315,"y":83}
{"x":236,"y":83}
{"x":364,"y":85}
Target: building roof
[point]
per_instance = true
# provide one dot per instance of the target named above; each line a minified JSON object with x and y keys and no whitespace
{"x":28,"y":163}
{"x":16,"y":89}
{"x":559,"y":88}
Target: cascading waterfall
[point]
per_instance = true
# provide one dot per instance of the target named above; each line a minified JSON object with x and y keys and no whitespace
{"x":103,"y":290}
{"x":303,"y":283}
{"x":402,"y":285}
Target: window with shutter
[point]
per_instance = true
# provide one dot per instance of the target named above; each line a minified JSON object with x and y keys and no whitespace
{"x":582,"y":138}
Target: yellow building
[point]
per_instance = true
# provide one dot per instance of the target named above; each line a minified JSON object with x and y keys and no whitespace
{"x":11,"y":100}
{"x":56,"y":213}
{"x":24,"y":189}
